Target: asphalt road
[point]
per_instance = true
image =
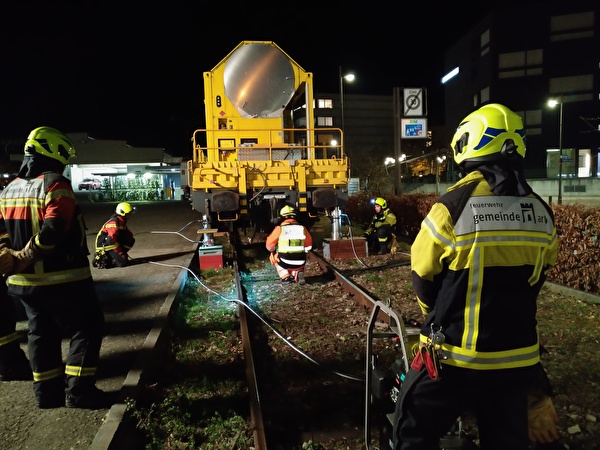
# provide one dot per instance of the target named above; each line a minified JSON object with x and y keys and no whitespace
{"x":136,"y":301}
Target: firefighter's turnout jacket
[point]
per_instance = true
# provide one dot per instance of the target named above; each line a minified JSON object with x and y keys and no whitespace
{"x":381,"y":230}
{"x":484,"y":296}
{"x":292,"y":241}
{"x":29,"y":210}
{"x":385,"y":218}
{"x":114,"y":235}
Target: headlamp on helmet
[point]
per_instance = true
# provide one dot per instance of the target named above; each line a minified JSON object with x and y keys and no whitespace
{"x":491,"y":133}
{"x":50,"y":142}
{"x":124,"y":208}
{"x":379,"y":201}
{"x":287,"y":211}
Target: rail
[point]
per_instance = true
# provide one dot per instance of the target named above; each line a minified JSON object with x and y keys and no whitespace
{"x":260,"y":440}
{"x":246,"y":325}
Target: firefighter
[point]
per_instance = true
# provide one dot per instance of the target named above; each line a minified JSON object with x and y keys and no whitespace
{"x":380,"y":232}
{"x":289,"y":242}
{"x":49,"y":271}
{"x":115,"y":239}
{"x":478,"y":263}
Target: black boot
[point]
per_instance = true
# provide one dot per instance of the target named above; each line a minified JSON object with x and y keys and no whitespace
{"x":50,"y":393}
{"x":82,"y":393}
{"x":93,"y":398}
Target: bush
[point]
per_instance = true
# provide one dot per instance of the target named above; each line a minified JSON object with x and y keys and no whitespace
{"x":578,"y":229}
{"x":578,"y":264}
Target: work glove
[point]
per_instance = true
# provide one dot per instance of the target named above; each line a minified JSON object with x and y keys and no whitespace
{"x":394,"y":246}
{"x":542,"y":421}
{"x":4,"y":243}
{"x":273,"y":258}
{"x":22,"y":259}
{"x":6,"y":261}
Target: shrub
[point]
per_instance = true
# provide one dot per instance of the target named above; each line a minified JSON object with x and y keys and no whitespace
{"x":578,"y":229}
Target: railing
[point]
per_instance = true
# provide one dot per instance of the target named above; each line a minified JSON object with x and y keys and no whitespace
{"x":271,"y":144}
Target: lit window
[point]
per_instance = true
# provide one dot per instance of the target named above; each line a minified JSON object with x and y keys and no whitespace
{"x":325,"y":103}
{"x":325,"y":121}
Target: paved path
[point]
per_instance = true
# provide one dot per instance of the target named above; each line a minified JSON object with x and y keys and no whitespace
{"x":136,"y":301}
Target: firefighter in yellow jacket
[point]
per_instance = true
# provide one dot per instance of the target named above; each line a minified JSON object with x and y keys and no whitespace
{"x":289,"y":242}
{"x":380,"y":231}
{"x":478,"y":264}
{"x":49,"y":271}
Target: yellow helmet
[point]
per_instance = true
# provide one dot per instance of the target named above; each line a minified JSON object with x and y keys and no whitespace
{"x":287,"y":211}
{"x":50,"y":142}
{"x":124,"y":208}
{"x":379,"y":201}
{"x":490,"y":133}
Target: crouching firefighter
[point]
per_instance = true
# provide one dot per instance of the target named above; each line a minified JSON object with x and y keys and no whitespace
{"x":114,"y":240}
{"x":380,"y":231}
{"x":289,"y":242}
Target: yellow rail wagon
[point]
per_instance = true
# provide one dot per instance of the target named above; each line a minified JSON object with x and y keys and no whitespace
{"x":260,"y":149}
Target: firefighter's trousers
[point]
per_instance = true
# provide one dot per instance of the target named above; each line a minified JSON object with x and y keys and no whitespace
{"x":54,"y":312}
{"x":427,"y":409}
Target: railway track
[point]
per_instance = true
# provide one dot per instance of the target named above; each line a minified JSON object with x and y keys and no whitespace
{"x":321,"y":353}
{"x":313,"y":384}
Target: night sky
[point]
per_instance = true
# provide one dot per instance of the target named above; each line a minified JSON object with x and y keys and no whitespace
{"x":134,"y":72}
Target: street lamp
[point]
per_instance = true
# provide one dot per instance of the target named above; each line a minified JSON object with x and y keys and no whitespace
{"x":401,"y":158}
{"x":389,"y":161}
{"x":439,"y":160}
{"x":349,"y":78}
{"x":552,"y":103}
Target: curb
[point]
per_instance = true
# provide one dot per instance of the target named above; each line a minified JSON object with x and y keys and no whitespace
{"x":570,"y":292}
{"x":149,"y":357}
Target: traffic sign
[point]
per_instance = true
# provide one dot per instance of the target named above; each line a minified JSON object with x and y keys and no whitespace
{"x":413,"y":102}
{"x":414,"y":128}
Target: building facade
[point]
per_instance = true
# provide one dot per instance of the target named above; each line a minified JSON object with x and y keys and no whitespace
{"x":523,"y":57}
{"x":124,"y":172}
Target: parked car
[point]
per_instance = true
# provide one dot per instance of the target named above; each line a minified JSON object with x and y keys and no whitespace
{"x":90,"y":184}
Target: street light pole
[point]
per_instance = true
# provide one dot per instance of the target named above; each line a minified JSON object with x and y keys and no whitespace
{"x":342,"y":98}
{"x":349,"y":77}
{"x":560,"y":153}
{"x":552,"y":103}
{"x":401,"y":158}
{"x":439,"y":160}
